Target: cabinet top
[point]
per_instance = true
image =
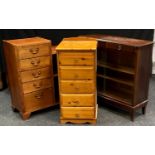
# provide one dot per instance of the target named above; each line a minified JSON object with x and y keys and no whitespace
{"x":121,"y":40}
{"x":27,"y":41}
{"x":77,"y":43}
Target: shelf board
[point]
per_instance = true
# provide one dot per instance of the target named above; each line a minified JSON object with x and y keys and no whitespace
{"x":116,"y":95}
{"x":118,"y":68}
{"x":123,"y":81}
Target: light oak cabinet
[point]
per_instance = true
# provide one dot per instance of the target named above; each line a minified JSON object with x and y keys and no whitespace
{"x":76,"y":60}
{"x":30,"y":74}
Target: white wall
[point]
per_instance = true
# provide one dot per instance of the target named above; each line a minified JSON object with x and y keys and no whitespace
{"x":154,"y":55}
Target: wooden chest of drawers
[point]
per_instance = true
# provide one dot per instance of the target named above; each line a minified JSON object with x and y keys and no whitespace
{"x":30,"y":74}
{"x":77,"y":80}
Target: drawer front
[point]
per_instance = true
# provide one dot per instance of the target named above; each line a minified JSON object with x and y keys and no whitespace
{"x":80,"y":86}
{"x":36,"y":85}
{"x":79,"y":73}
{"x":35,"y":63}
{"x":76,"y":58}
{"x":77,"y":100}
{"x":118,"y":47}
{"x":37,"y":74}
{"x":25,"y":52}
{"x":39,"y":99}
{"x":77,"y":112}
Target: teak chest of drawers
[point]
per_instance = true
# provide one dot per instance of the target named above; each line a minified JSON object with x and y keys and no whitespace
{"x":30,"y":74}
{"x":124,"y":69}
{"x":77,"y":80}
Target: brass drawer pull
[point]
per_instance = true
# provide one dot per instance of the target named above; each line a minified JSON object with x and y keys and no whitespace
{"x":39,"y":96}
{"x":37,"y":85}
{"x":35,"y":63}
{"x":34,"y":51}
{"x":36,"y":75}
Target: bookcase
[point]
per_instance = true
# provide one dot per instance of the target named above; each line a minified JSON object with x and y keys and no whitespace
{"x":123,"y":72}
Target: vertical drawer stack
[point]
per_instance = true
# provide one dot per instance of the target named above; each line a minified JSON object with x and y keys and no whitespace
{"x":30,"y":74}
{"x":77,"y":80}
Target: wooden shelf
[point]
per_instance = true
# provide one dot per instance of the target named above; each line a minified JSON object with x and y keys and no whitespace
{"x":122,"y":81}
{"x":118,"y":68}
{"x":116,"y":95}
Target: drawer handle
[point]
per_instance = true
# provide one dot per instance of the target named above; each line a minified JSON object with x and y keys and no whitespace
{"x":37,"y":74}
{"x":38,"y":96}
{"x":69,"y":102}
{"x":76,"y":76}
{"x":34,"y":51}
{"x":76,"y":88}
{"x":37,"y":85}
{"x":76,"y":60}
{"x":77,"y":115}
{"x":83,"y":58}
{"x":119,"y":47}
{"x":76,"y":102}
{"x":35,"y":63}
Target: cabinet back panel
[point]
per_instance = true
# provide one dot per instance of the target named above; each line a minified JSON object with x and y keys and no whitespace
{"x":117,"y":57}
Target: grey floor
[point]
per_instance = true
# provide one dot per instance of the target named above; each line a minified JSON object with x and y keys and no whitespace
{"x":50,"y":117}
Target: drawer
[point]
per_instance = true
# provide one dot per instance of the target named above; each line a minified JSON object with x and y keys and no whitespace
{"x":34,"y":63}
{"x":37,"y":74}
{"x":78,"y":86}
{"x":74,"y":72}
{"x":77,"y":112}
{"x":36,"y":85}
{"x":77,"y":100}
{"x":76,"y":58}
{"x":118,"y":47}
{"x":25,"y":52}
{"x":38,"y":100}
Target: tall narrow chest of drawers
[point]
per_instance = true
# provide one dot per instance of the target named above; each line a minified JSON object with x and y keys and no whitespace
{"x":77,"y":80}
{"x":30,"y":74}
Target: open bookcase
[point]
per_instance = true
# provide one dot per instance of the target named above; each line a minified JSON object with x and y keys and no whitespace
{"x":116,"y":74}
{"x":123,"y":72}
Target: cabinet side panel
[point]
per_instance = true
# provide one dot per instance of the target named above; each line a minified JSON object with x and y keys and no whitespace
{"x":12,"y":74}
{"x":143,"y":74}
{"x":1,"y":83}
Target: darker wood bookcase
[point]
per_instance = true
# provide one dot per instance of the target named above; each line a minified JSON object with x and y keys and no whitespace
{"x":123,"y":72}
